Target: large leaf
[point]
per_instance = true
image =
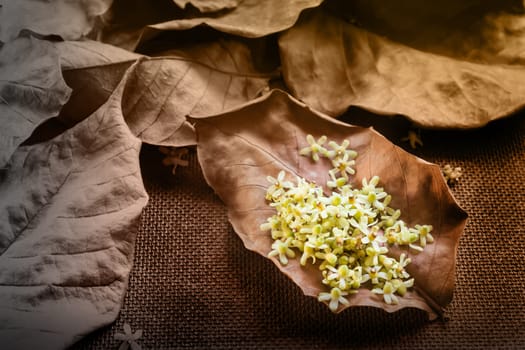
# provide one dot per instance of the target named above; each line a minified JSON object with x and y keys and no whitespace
{"x":251,"y":18}
{"x":161,"y":91}
{"x":93,"y":70}
{"x":240,"y":148}
{"x":129,"y":24}
{"x":478,"y":30}
{"x":32,"y":90}
{"x":208,"y":5}
{"x":68,"y":19}
{"x":124,"y":23}
{"x":69,"y":211}
{"x":331,"y":65}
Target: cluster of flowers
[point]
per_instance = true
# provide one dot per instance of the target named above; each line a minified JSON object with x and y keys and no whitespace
{"x":348,"y":231}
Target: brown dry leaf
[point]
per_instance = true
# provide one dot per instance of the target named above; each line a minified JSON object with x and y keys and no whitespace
{"x":32,"y":90}
{"x":68,"y":19}
{"x":208,"y":5}
{"x":129,"y":24}
{"x":160,"y":92}
{"x":228,"y":71}
{"x":331,"y":65}
{"x":237,"y":150}
{"x":69,"y":213}
{"x":93,"y":70}
{"x":251,"y":18}
{"x":124,"y":23}
{"x":477,"y":30}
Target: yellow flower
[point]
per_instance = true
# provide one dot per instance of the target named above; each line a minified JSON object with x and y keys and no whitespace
{"x":282,"y":249}
{"x":388,"y":291}
{"x":424,"y":234}
{"x":413,"y":139}
{"x":343,"y":165}
{"x":335,"y":297}
{"x":350,"y":230}
{"x":373,"y":252}
{"x":315,"y":148}
{"x":174,"y":157}
{"x":340,"y":150}
{"x":278,"y":186}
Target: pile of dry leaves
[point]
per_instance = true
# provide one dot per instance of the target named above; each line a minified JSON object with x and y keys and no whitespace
{"x":83,"y":84}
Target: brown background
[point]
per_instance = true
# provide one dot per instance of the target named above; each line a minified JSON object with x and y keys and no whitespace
{"x":194,"y":285}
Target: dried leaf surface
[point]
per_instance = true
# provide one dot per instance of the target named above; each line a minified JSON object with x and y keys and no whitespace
{"x":208,"y":5}
{"x":484,"y":31}
{"x":123,"y":25}
{"x":93,"y":70}
{"x":231,"y":78}
{"x":251,"y":18}
{"x":331,"y":65}
{"x":160,"y":92}
{"x":68,"y":19}
{"x":69,"y":211}
{"x":239,"y":148}
{"x":89,"y":53}
{"x":32,"y":90}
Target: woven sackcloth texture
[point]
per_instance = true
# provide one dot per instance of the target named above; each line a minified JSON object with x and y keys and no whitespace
{"x":194,"y":285}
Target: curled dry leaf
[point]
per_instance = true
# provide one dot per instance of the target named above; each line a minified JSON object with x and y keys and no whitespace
{"x":32,"y":90}
{"x":69,"y":211}
{"x":129,"y":23}
{"x":93,"y":70}
{"x":238,"y":149}
{"x":331,"y":65}
{"x":124,"y":23}
{"x":68,"y":19}
{"x":251,"y":18}
{"x":208,"y":5}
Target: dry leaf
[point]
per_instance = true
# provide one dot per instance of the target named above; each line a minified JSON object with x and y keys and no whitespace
{"x":129,"y":24}
{"x":484,"y":31}
{"x":124,"y":23}
{"x":160,"y":92}
{"x":231,"y":78}
{"x":32,"y":90}
{"x":238,"y":149}
{"x":88,"y":54}
{"x":251,"y":18}
{"x":93,"y":70}
{"x":208,"y":5}
{"x":69,"y":211}
{"x":331,"y":65}
{"x":68,"y":19}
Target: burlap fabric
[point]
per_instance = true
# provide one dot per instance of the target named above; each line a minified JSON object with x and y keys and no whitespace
{"x":194,"y":285}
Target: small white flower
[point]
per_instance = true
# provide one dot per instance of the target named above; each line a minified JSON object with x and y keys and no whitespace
{"x":128,"y":338}
{"x":174,"y":157}
{"x":452,"y":175}
{"x":278,"y":186}
{"x":413,"y":139}
{"x":340,"y":150}
{"x":315,"y":147}
{"x":335,"y":297}
{"x":343,"y":165}
{"x":282,"y":249}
